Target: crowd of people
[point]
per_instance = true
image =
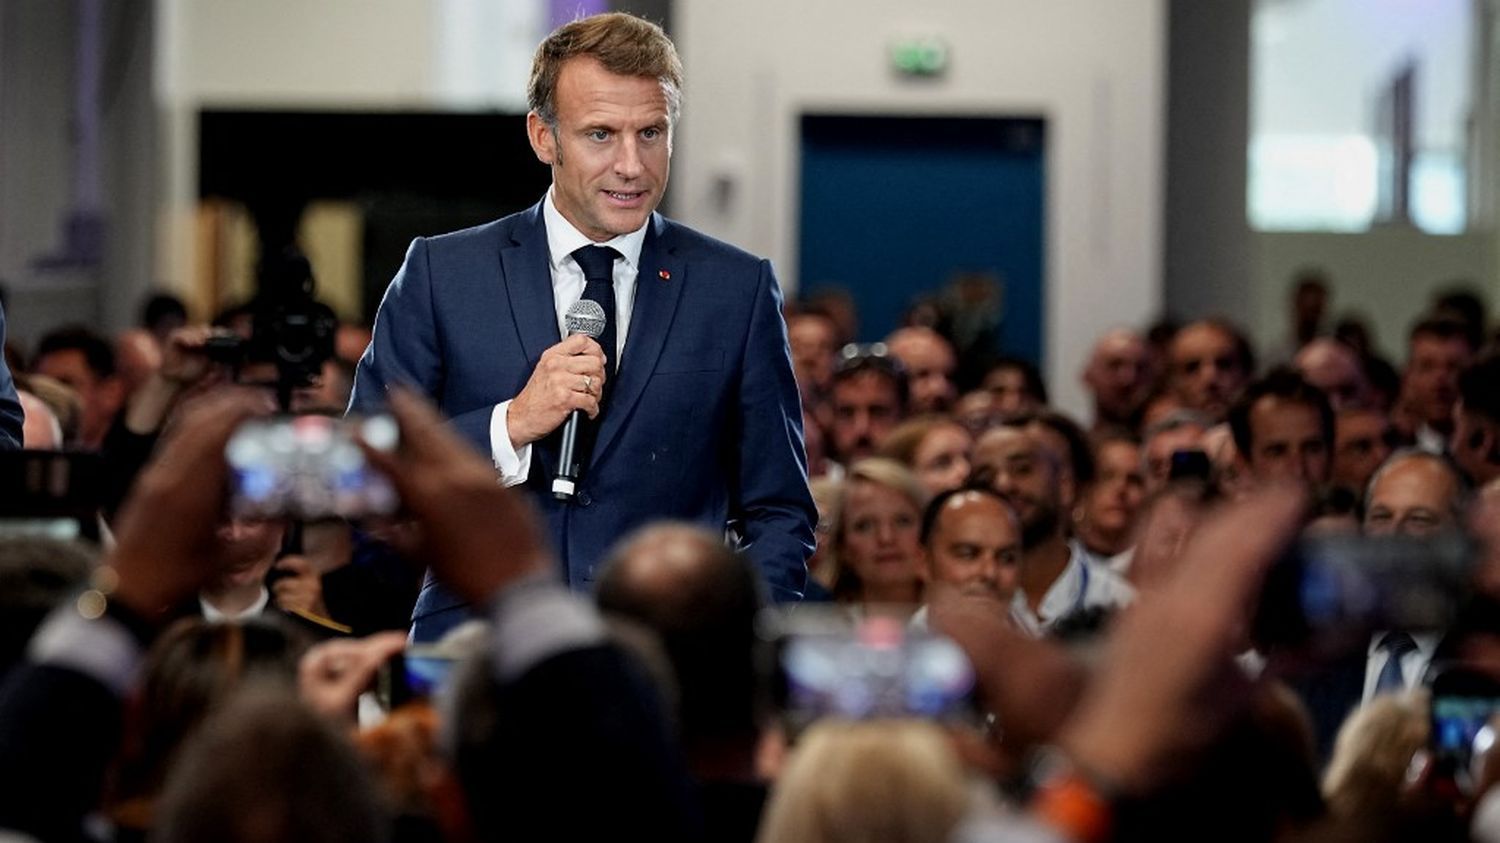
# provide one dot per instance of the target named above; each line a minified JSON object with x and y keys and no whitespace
{"x":1246,"y":597}
{"x":189,"y":678}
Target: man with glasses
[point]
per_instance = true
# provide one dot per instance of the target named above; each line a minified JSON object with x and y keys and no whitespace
{"x":868,"y":398}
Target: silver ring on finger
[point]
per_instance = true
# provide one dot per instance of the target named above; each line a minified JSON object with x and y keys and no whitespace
{"x":588,"y":384}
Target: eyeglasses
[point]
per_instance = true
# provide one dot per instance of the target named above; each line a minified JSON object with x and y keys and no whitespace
{"x":875,"y":355}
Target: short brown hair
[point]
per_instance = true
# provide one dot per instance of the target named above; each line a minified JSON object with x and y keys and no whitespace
{"x":625,"y":44}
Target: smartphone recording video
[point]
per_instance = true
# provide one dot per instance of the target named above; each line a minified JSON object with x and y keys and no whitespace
{"x":1463,"y":701}
{"x":416,"y":673}
{"x":310,"y":468}
{"x":870,"y":668}
{"x":1328,"y":594}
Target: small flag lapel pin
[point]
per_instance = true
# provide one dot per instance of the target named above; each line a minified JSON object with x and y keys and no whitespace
{"x":664,"y":275}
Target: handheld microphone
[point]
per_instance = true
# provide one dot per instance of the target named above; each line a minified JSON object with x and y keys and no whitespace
{"x":585,"y":317}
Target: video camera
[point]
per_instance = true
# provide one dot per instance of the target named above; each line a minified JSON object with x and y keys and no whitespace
{"x":290,"y":329}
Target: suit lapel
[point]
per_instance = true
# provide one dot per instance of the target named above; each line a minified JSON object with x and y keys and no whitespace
{"x":528,"y":283}
{"x":658,"y":287}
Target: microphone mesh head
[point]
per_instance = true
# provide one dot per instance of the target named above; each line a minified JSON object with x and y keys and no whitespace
{"x":585,"y":317}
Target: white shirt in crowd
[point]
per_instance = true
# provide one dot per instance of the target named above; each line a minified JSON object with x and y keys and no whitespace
{"x":1413,"y":664}
{"x":213,"y":615}
{"x":1083,"y":584}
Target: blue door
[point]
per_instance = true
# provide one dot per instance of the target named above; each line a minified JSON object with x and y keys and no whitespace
{"x":895,"y":207}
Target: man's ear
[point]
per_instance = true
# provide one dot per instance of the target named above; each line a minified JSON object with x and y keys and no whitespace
{"x":543,"y":141}
{"x":1067,"y":488}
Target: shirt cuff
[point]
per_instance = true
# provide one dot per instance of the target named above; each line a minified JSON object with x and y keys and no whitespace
{"x":101,"y":648}
{"x":537,"y":619}
{"x":514,"y":463}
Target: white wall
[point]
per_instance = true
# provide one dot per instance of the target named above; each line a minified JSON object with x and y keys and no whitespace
{"x":425,"y":55}
{"x":1388,"y":274}
{"x":1094,"y":70}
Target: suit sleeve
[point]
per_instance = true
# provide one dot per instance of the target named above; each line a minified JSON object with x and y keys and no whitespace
{"x":11,"y":415}
{"x":405,"y":348}
{"x":773,"y":508}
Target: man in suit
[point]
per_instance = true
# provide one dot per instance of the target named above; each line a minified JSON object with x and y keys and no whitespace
{"x":1414,"y":493}
{"x":689,"y":390}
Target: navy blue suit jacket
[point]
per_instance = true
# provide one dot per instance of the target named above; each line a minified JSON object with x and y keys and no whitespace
{"x":703,"y":423}
{"x":11,"y":416}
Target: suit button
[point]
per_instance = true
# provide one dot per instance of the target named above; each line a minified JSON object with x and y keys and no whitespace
{"x":584,"y":499}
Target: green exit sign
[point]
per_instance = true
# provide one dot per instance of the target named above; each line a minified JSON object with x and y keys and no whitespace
{"x":920,"y":56}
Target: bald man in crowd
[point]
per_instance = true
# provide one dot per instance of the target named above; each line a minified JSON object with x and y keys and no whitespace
{"x":971,"y":540}
{"x":1208,"y":363}
{"x":702,"y":601}
{"x":1414,"y":493}
{"x":1334,"y":368}
{"x":41,"y":431}
{"x":929,"y":362}
{"x":1118,"y":377}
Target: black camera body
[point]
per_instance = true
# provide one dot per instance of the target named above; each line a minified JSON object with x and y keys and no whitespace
{"x":290,"y":328}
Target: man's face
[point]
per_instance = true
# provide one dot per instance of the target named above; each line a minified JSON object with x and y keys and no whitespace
{"x":1012,"y":396}
{"x":1333,"y":368}
{"x":1160,"y":448}
{"x":1475,"y":446}
{"x":1206,"y":372}
{"x":1114,"y":498}
{"x":1361,"y":442}
{"x":1117,"y":375}
{"x":977,"y":411}
{"x":1024,"y":473}
{"x":1414,"y":497}
{"x":866,"y":405}
{"x":246,"y":550}
{"x":812,"y":339}
{"x":1286,"y":442}
{"x":101,"y":397}
{"x":1430,"y":386}
{"x":610,"y":150}
{"x":929,"y":366}
{"x":976,"y":546}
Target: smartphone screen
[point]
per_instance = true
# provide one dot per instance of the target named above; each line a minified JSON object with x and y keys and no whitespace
{"x":1463,"y":701}
{"x":309,"y":467}
{"x":416,"y":673}
{"x":1331,"y":592}
{"x":875,"y":667}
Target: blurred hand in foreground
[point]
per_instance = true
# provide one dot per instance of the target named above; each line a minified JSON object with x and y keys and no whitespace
{"x":475,"y":534}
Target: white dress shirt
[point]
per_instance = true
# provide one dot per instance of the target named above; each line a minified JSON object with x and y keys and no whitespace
{"x":1083,"y":584}
{"x":212,"y":614}
{"x":1413,"y":664}
{"x":567,"y":288}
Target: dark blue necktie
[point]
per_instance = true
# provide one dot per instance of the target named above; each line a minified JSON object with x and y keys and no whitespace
{"x":1396,"y":646}
{"x":598,"y":265}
